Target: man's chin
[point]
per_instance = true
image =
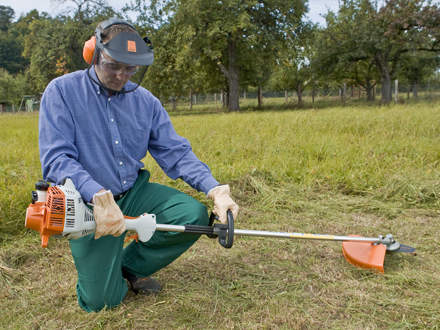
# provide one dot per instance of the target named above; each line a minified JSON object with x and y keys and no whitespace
{"x":113,"y":88}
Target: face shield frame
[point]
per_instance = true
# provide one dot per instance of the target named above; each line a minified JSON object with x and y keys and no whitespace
{"x":126,"y":48}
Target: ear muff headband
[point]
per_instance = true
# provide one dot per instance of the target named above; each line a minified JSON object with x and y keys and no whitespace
{"x":95,"y":42}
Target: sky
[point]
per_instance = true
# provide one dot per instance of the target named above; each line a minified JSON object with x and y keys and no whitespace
{"x":52,"y":7}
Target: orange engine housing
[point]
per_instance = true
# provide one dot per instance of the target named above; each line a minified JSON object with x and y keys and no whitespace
{"x":47,"y":217}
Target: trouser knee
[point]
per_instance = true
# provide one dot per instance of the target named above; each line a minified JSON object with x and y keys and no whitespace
{"x":202,"y":214}
{"x":197,"y":214}
{"x":99,"y":298}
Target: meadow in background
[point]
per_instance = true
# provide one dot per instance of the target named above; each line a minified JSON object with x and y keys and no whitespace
{"x":364,"y":170}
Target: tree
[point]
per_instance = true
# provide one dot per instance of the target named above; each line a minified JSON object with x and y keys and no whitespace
{"x":53,"y":46}
{"x":10,"y":53}
{"x":87,"y":11}
{"x":12,"y":87}
{"x":6,"y":16}
{"x":416,"y":68}
{"x":10,"y":45}
{"x":294,"y":69}
{"x":228,"y":34}
{"x":363,"y":31}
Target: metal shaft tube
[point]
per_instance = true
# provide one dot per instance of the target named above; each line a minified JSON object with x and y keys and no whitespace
{"x":244,"y":232}
{"x":179,"y":229}
{"x":260,"y":233}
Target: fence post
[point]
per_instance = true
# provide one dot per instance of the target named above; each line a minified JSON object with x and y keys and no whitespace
{"x":396,"y":90}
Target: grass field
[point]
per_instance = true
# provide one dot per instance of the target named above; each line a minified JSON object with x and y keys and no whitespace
{"x":340,"y":170}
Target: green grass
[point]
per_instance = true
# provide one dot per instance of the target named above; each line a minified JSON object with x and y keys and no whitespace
{"x":341,"y":170}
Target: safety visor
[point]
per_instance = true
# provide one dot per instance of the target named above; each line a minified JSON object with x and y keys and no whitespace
{"x":129,"y":48}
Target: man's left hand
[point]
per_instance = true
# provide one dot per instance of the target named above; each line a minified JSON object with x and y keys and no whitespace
{"x":223,"y":202}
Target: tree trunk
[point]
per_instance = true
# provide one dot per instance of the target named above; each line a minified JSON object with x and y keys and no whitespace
{"x":343,"y":91}
{"x":190,"y":99}
{"x":232,"y":76}
{"x":226,"y":98}
{"x":313,"y":95}
{"x":386,"y":90}
{"x":174,"y":100}
{"x":234,"y":85}
{"x":260,"y":96}
{"x":415,"y":90}
{"x":223,"y":98}
{"x":299,"y":92}
{"x":370,"y":91}
{"x":286,"y":96}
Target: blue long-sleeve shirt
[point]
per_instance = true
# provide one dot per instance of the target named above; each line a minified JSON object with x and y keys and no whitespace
{"x":99,"y":141}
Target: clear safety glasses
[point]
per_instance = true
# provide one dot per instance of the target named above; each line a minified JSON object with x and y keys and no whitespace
{"x":116,"y":67}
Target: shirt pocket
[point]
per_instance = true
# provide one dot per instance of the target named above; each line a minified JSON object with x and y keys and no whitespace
{"x":136,"y":142}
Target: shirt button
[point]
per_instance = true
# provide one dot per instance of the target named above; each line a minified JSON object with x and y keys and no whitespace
{"x":124,"y":182}
{"x":112,"y":120}
{"x":109,"y":99}
{"x":121,"y":163}
{"x":117,"y":142}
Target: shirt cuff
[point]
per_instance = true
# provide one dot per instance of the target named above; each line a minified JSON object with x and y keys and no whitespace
{"x":88,"y":189}
{"x":207,"y":184}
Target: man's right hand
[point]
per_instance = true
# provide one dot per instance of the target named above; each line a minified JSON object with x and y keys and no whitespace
{"x":108,"y":216}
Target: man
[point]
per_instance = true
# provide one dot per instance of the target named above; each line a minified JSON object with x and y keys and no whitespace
{"x":95,"y":127}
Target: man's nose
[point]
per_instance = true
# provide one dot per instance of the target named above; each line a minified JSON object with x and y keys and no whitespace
{"x":121,"y":74}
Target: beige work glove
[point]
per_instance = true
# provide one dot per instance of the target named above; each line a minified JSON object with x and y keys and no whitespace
{"x":223,"y":202}
{"x":108,"y":216}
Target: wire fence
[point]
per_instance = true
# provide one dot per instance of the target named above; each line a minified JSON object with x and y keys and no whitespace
{"x":268,"y":99}
{"x":318,"y":97}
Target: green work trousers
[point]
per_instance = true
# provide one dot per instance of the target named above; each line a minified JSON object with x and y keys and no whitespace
{"x":99,"y":262}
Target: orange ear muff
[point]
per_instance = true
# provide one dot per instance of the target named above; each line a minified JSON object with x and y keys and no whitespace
{"x":89,"y":49}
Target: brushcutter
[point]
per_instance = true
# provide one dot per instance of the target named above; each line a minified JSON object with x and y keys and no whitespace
{"x":59,"y":210}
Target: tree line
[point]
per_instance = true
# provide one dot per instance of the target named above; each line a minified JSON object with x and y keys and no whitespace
{"x":229,"y":46}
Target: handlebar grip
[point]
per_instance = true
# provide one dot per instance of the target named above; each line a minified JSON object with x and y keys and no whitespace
{"x":228,"y":240}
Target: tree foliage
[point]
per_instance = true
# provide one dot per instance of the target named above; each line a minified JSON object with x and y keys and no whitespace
{"x":232,"y":45}
{"x":226,"y":36}
{"x":10,"y":45}
{"x":294,"y":69}
{"x":363,"y":31}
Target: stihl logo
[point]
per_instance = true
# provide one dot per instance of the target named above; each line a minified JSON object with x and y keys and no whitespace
{"x":131,"y":46}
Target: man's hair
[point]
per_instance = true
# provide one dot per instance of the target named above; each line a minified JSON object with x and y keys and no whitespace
{"x":111,"y":31}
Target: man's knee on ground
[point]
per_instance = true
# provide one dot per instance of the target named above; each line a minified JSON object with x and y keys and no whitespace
{"x":99,"y":298}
